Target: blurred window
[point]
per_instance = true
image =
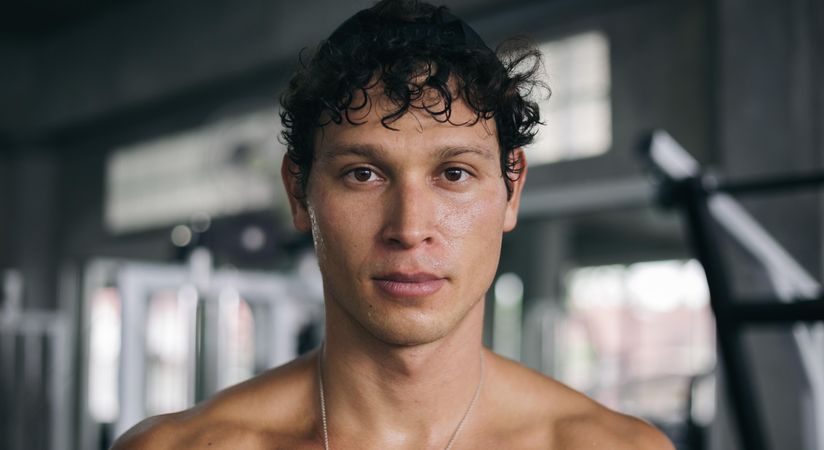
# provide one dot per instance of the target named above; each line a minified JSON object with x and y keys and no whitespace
{"x":636,"y":335}
{"x":577,"y":117}
{"x":223,"y":168}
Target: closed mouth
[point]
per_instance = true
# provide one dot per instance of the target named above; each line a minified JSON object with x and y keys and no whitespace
{"x":418,"y":284}
{"x":408,"y":277}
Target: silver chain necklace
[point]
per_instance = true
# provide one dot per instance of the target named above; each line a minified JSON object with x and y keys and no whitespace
{"x":454,"y":433}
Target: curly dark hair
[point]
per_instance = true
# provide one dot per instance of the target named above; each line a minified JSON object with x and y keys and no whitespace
{"x":410,"y":50}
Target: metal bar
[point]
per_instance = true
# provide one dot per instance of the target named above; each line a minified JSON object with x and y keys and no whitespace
{"x":768,"y":184}
{"x":691,"y":193}
{"x":60,"y":378}
{"x":740,"y":388}
{"x":131,"y":380}
{"x":31,"y":386}
{"x":18,"y":401}
{"x":771,"y":312}
{"x":7,"y":386}
{"x":200,"y":387}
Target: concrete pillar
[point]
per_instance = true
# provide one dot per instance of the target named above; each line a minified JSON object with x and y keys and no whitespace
{"x":536,"y":251}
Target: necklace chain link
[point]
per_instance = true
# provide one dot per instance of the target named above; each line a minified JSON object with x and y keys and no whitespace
{"x":455,"y":433}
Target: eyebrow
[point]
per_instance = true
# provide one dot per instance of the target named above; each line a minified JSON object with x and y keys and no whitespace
{"x":374,"y":151}
{"x":364,"y":150}
{"x":451,"y":152}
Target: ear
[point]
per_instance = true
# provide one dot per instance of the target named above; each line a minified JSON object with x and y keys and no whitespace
{"x":517,"y":185}
{"x":294,"y":192}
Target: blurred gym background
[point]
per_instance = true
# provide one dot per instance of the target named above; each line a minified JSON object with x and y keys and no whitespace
{"x":147,"y":259}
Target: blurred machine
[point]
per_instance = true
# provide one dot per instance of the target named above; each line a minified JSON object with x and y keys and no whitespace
{"x":154,"y":338}
{"x":35,"y":369}
{"x":710,"y":211}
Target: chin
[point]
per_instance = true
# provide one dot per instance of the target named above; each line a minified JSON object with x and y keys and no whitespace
{"x":406,"y":337}
{"x":410,"y":327}
{"x":399,"y":323}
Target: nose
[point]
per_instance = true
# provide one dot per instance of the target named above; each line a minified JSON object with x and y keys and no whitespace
{"x":410,"y":215}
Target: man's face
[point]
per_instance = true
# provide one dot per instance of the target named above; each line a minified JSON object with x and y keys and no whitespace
{"x":407,"y":224}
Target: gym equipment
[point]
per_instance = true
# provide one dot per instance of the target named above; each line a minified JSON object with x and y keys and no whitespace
{"x":706,"y":203}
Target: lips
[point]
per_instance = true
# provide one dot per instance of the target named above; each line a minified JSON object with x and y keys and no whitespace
{"x":409,"y":285}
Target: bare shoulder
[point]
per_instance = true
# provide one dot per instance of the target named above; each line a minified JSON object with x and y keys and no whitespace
{"x":270,"y":408}
{"x":559,"y":417}
{"x":155,"y":432}
{"x":191,"y":430}
{"x":601,"y":428}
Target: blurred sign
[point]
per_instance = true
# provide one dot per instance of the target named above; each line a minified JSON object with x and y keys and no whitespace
{"x":223,"y":168}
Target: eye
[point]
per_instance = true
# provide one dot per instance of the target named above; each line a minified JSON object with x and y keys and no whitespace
{"x":455,"y":174}
{"x":361,"y":174}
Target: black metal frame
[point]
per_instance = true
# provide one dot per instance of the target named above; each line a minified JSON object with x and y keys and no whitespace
{"x":691,"y":194}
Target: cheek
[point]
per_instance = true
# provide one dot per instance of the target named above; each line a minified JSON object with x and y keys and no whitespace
{"x":473,"y":242}
{"x":338,"y":231}
{"x":474,"y":221}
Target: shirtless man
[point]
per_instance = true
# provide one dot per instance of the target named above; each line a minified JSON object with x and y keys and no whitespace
{"x":404,"y":162}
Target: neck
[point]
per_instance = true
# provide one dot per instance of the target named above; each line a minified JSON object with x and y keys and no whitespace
{"x":400,"y":393}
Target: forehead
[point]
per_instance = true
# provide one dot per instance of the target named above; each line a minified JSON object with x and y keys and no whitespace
{"x":417,"y":128}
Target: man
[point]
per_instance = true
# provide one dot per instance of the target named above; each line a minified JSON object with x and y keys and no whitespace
{"x":404,"y":161}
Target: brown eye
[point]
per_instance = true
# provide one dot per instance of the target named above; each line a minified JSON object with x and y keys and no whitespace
{"x":362,"y":174}
{"x":453,"y":174}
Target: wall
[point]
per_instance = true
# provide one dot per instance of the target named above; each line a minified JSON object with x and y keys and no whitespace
{"x":768,"y":74}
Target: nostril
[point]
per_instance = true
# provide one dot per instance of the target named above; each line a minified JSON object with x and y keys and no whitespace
{"x":407,"y":235}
